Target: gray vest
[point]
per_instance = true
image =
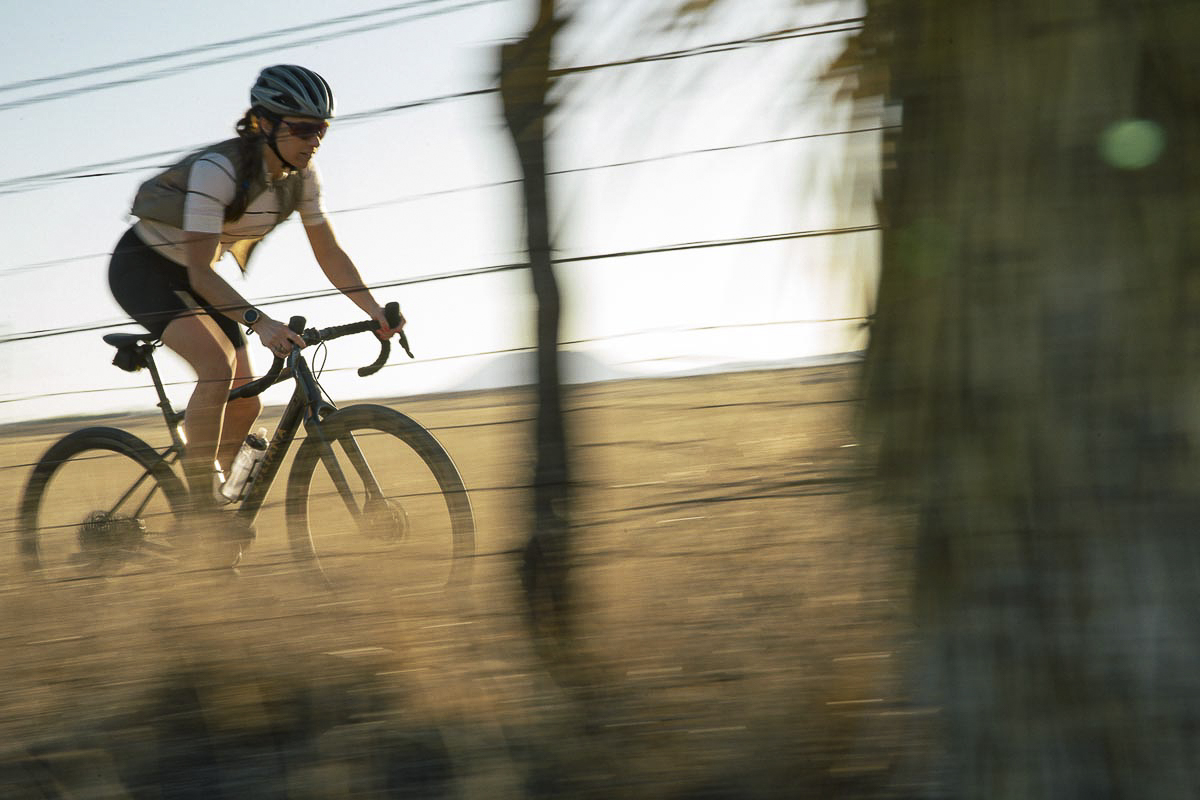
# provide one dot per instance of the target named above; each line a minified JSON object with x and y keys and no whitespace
{"x":162,"y":197}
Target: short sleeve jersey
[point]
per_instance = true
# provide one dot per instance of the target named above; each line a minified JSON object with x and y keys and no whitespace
{"x":211,"y":188}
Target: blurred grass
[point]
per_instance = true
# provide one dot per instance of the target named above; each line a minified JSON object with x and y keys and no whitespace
{"x":741,"y":629}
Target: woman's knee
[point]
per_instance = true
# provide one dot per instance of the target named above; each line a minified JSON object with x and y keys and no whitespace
{"x":243,"y":373}
{"x":200,"y":343}
{"x":215,"y":367}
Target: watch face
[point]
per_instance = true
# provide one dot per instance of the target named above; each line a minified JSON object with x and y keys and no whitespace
{"x":250,"y":315}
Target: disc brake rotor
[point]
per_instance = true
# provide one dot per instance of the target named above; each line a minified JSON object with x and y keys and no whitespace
{"x":383,"y":519}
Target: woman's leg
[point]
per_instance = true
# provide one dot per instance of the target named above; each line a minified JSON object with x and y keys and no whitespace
{"x":201,"y":343}
{"x":239,"y":414}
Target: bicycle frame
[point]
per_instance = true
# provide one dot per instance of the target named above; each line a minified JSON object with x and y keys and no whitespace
{"x":306,"y":407}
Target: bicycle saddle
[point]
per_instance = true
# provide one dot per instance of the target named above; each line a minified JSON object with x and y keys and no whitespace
{"x":126,"y":339}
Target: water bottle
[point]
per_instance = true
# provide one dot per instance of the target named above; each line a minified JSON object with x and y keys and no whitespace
{"x":245,"y":465}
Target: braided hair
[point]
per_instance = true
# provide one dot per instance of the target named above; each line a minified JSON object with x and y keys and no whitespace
{"x":249,"y":162}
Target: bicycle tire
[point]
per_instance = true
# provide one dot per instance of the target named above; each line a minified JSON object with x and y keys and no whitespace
{"x":97,"y":471}
{"x":416,"y":475}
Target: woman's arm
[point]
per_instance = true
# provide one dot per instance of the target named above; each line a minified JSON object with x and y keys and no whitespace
{"x":202,"y":250}
{"x":342,"y":273}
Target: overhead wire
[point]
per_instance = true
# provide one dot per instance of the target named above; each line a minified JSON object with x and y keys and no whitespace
{"x":20,"y":268}
{"x":847,"y":25}
{"x":481,"y":354}
{"x":825,"y":28}
{"x":211,"y":46}
{"x":223,"y":59}
{"x":478,"y":271}
{"x":188,"y":51}
{"x":91,"y":170}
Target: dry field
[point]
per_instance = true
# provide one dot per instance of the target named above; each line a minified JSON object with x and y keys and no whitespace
{"x":741,"y":628}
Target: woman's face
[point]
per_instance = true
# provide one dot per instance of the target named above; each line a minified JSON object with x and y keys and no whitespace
{"x":298,"y":139}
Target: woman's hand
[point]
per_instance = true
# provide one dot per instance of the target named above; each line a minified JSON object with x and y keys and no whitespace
{"x":276,"y":337}
{"x":385,"y":331}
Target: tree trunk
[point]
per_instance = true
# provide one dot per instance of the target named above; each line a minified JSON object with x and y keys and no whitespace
{"x":1032,"y":374}
{"x":524,"y":82}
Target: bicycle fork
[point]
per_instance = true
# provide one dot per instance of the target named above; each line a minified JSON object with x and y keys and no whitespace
{"x":375,"y":516}
{"x":333,"y":467}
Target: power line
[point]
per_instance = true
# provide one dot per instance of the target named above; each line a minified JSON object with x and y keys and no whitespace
{"x":411,"y":104}
{"x":488,"y":270}
{"x":84,"y":171}
{"x":699,"y":50}
{"x":723,"y":148}
{"x":168,"y":71}
{"x":461,"y":356}
{"x":90,"y":170}
{"x":850,"y":25}
{"x":706,"y":244}
{"x":509,"y":182}
{"x":73,"y":172}
{"x":257,"y":37}
{"x":611,"y":165}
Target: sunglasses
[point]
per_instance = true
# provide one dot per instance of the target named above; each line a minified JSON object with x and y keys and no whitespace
{"x":306,"y":130}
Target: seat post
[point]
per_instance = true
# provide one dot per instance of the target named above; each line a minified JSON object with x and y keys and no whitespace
{"x":173,"y":418}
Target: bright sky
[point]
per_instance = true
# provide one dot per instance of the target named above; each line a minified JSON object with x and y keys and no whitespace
{"x":412,"y":192}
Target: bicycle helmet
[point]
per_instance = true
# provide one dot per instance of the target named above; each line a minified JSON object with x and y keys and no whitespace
{"x":292,"y":90}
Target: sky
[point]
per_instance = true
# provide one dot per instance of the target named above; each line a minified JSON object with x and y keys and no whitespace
{"x":648,"y":155}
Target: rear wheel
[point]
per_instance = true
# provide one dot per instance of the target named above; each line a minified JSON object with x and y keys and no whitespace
{"x":100,"y":501}
{"x":374,"y":501}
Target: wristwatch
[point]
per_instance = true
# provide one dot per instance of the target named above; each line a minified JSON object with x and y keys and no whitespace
{"x":250,"y":316}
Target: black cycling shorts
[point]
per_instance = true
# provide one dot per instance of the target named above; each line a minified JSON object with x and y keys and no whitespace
{"x":154,"y":290}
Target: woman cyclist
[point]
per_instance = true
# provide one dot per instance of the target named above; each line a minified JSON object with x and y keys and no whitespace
{"x":225,"y":198}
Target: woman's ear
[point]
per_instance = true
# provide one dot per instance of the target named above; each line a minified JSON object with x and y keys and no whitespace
{"x":264,"y":124}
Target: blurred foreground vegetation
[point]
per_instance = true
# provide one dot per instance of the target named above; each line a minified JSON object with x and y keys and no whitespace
{"x":1032,"y":378}
{"x":740,"y":630}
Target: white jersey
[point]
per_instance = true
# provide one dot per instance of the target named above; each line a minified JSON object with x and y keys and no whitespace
{"x":210,"y":189}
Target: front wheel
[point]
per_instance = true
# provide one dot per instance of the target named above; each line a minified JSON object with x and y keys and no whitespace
{"x":98,"y":502}
{"x":374,"y":501}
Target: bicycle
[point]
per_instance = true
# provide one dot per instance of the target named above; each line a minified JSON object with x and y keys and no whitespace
{"x":101,"y":501}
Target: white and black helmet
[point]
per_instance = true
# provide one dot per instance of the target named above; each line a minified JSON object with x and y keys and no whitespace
{"x":292,"y":90}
